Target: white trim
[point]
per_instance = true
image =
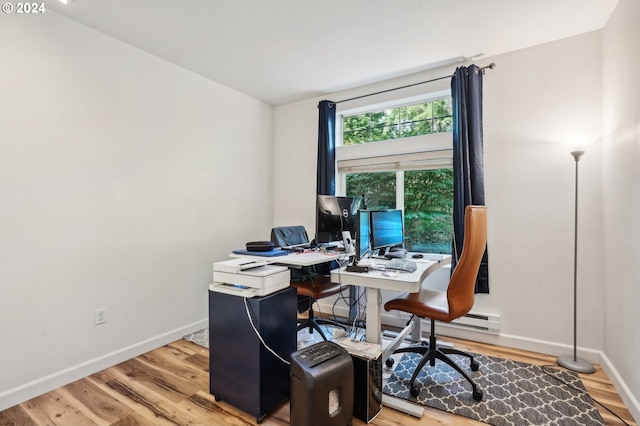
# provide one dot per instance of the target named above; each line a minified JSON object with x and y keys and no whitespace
{"x":414,"y":144}
{"x":396,"y":103}
{"x":53,"y":381}
{"x":414,"y":153}
{"x":425,"y":160}
{"x":621,"y":387}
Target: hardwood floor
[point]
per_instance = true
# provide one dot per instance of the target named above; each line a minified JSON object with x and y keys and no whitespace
{"x":170,"y":386}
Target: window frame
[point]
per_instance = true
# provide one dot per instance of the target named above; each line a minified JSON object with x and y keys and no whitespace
{"x":424,"y":152}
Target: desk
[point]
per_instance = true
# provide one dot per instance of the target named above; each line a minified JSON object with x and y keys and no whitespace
{"x":297,"y":259}
{"x":374,"y":281}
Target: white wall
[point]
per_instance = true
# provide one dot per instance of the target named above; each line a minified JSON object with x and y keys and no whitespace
{"x":120,"y":177}
{"x":538,"y":102}
{"x":621,"y":198}
{"x":533,"y":100}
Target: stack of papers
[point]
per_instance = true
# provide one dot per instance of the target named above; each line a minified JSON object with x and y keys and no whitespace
{"x":360,"y":348}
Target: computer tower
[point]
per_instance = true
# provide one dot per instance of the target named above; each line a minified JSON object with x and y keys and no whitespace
{"x":367,"y":382}
{"x":321,"y":386}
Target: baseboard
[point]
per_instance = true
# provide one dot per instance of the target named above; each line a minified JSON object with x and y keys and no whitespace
{"x":621,"y":387}
{"x":46,"y":384}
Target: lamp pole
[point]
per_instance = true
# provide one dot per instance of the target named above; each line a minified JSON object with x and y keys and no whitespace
{"x":566,"y":361}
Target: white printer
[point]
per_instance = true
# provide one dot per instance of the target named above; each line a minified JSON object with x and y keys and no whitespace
{"x":248,"y":278}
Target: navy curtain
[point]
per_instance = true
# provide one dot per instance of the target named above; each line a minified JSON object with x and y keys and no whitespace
{"x":468,"y":169}
{"x":326,"y":174}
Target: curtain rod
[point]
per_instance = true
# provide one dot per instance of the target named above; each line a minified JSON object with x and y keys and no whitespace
{"x":490,"y":66}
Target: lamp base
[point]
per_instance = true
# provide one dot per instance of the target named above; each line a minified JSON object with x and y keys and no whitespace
{"x":575,"y":364}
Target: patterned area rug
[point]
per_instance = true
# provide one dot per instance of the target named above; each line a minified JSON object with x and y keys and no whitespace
{"x":200,"y":337}
{"x":515,"y":393}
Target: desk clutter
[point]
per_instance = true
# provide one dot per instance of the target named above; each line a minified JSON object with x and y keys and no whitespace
{"x":253,"y":323}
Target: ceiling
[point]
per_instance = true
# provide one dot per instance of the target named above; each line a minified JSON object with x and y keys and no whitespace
{"x":281,"y":51}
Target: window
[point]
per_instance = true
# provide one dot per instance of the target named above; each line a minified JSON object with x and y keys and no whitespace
{"x":400,"y":158}
{"x":412,"y":120}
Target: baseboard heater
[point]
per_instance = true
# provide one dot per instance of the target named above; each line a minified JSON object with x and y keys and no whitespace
{"x":474,"y":321}
{"x":488,"y":323}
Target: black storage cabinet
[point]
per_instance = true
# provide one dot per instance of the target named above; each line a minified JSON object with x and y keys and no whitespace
{"x":242,"y":371}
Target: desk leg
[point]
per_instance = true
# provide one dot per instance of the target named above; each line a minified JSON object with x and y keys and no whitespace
{"x":416,"y":334}
{"x":373,"y":335}
{"x":354,"y":293}
{"x":374,"y":316}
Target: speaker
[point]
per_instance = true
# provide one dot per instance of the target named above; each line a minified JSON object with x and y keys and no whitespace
{"x":347,"y":242}
{"x":367,"y":387}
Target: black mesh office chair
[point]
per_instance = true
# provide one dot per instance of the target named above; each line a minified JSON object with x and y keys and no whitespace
{"x":312,"y":283}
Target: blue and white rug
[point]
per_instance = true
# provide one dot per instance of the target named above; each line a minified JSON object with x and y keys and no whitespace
{"x":515,"y":393}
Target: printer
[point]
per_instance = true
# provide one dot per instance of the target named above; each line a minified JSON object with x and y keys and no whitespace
{"x":247,"y":277}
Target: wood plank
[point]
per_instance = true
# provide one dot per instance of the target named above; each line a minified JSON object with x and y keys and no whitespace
{"x":188,"y":347}
{"x":136,"y":419}
{"x":166,"y":384}
{"x":169,"y":386}
{"x":206,"y":410}
{"x":150,"y":406}
{"x":95,"y":403}
{"x":16,"y":416}
{"x":53,"y":409}
{"x":166,"y":361}
{"x":200,"y":362}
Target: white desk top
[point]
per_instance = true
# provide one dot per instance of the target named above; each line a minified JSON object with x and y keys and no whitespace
{"x":297,"y":259}
{"x":401,"y":281}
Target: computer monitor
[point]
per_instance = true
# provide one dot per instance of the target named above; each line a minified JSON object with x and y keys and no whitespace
{"x":386,"y":229}
{"x":334,"y":215}
{"x":363,"y":235}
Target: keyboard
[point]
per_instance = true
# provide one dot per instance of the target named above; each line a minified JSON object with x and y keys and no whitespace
{"x":405,"y":265}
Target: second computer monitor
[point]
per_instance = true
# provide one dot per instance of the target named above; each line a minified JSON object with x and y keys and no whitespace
{"x":363,"y":240}
{"x":386,"y":229}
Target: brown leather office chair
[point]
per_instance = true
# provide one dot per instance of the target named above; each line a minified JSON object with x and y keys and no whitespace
{"x":312,"y":283}
{"x":448,"y":305}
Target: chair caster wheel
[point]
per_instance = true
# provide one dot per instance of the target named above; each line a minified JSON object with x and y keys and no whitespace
{"x":414,"y":391}
{"x":474,"y":365}
{"x":477,"y":395}
{"x":389,"y":362}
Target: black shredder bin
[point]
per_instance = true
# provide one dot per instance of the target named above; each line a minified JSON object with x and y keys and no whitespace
{"x":321,"y":386}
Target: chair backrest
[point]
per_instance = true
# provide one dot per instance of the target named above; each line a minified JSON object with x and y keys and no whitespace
{"x":461,"y":290}
{"x":284,"y":236}
{"x":289,"y":235}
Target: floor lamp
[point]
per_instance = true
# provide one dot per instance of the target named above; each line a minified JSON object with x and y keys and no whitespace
{"x":567,"y":361}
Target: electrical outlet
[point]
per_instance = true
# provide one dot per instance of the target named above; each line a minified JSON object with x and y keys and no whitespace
{"x":101,"y":315}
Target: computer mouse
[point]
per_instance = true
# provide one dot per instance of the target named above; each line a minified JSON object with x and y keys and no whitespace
{"x":417,"y":256}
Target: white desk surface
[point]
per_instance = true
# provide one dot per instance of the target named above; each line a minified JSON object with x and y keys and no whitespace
{"x":375,"y":278}
{"x":297,"y":259}
{"x":374,"y":281}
